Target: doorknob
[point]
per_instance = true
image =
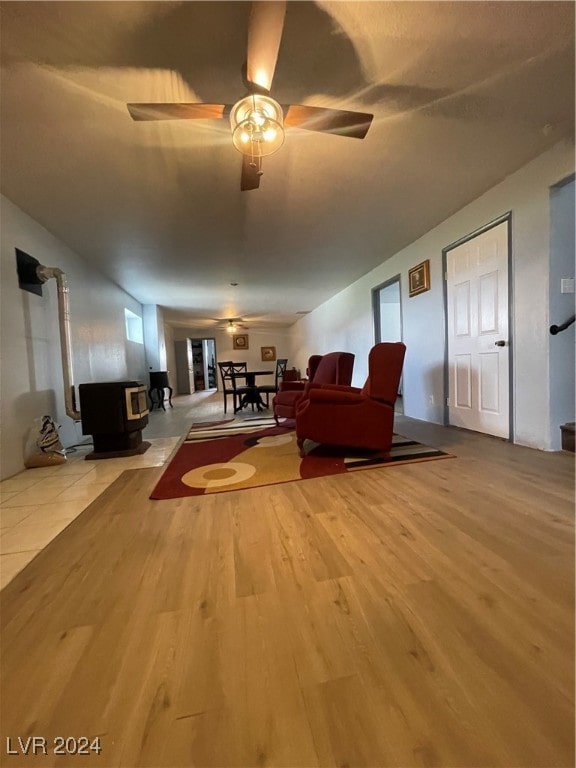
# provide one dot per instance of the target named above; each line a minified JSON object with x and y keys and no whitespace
{"x":500,"y":343}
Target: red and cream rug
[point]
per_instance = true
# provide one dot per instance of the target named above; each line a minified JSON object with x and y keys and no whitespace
{"x":245,"y":453}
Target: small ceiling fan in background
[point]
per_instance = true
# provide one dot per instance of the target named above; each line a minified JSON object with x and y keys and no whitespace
{"x":257,"y":120}
{"x":231,"y":324}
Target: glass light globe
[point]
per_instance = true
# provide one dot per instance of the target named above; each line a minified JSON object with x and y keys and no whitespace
{"x":257,"y":125}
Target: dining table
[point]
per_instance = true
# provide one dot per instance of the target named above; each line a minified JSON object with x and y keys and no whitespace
{"x":251,"y":396}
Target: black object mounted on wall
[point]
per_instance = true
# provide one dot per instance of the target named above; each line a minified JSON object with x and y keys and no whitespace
{"x":28,"y":278}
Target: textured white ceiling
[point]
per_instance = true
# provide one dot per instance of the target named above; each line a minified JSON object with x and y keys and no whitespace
{"x":463,"y":94}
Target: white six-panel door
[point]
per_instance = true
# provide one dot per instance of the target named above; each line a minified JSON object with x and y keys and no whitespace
{"x":478,"y":340}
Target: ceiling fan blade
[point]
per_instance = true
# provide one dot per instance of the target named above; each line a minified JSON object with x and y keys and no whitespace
{"x":176,"y":111}
{"x":344,"y":123}
{"x":250,"y":178}
{"x":264,"y":35}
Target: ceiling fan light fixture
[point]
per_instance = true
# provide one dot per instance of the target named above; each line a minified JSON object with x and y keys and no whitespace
{"x":232,"y":327}
{"x":257,"y":124}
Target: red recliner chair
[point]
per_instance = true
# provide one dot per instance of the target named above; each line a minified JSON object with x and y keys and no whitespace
{"x":332,"y":368}
{"x":349,"y":416}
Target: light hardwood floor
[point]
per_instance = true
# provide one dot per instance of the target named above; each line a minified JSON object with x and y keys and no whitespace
{"x":418,"y":615}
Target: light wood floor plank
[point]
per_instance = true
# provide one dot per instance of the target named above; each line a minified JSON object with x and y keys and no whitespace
{"x":419,"y":615}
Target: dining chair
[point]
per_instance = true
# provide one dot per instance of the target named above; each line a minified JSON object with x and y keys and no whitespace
{"x":229,"y":385}
{"x":271,"y":389}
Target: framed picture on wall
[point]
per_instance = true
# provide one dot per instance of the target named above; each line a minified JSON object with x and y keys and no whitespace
{"x":240,"y":341}
{"x":419,"y":278}
{"x":268,"y":353}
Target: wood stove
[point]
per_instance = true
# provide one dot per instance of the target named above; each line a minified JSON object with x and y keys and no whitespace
{"x":114,"y":413}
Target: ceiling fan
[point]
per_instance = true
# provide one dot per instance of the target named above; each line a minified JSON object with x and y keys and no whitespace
{"x":257,"y":120}
{"x":231,"y":324}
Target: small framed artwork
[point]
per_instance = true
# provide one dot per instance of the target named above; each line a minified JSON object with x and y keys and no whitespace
{"x":268,"y":353}
{"x":419,"y":278}
{"x":240,"y":341}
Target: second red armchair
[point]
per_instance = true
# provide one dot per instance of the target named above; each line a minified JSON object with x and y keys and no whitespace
{"x":332,"y":368}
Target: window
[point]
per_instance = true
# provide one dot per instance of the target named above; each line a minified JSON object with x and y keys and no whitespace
{"x":134,"y":328}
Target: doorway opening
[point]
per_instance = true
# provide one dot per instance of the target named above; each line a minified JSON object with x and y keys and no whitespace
{"x":387,"y":310}
{"x":561,"y":301}
{"x":195,"y":365}
{"x":204,"y":363}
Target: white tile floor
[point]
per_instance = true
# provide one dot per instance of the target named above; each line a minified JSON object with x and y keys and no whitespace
{"x":37,"y":504}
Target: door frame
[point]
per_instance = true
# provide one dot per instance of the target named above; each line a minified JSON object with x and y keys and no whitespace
{"x":203,"y":338}
{"x":504,"y":218}
{"x":376,"y":305}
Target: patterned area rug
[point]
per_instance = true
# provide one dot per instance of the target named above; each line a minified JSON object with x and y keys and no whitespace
{"x":245,"y":453}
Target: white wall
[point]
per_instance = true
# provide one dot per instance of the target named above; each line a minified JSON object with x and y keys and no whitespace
{"x":345,"y":322}
{"x":390,"y":321}
{"x":31,"y":370}
{"x":170,"y":356}
{"x":154,"y":337}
